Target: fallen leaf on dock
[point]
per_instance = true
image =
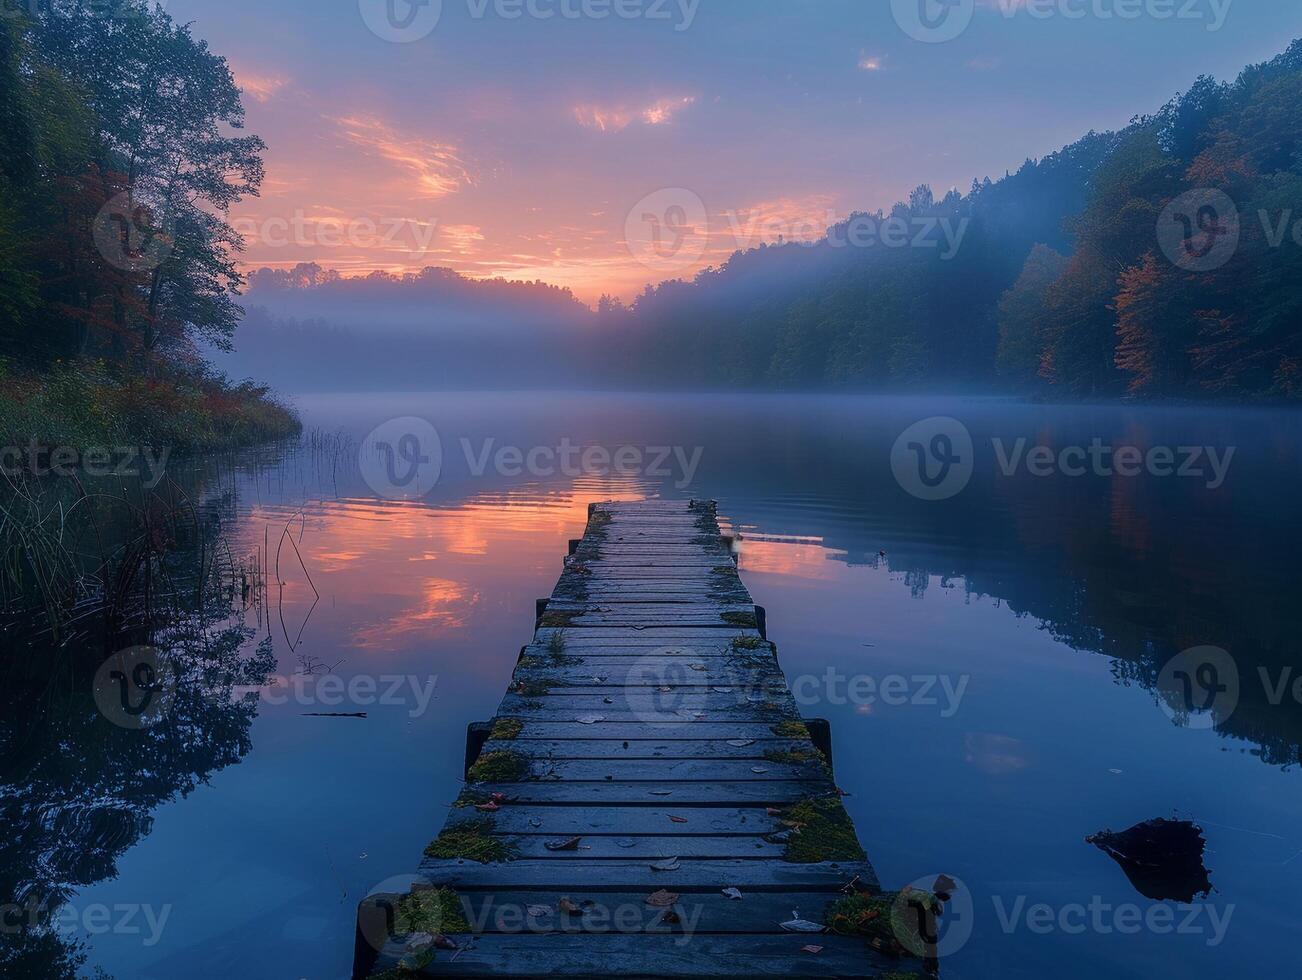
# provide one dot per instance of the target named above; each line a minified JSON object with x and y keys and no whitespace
{"x":570,"y":844}
{"x":811,"y":949}
{"x":535,"y":822}
{"x":665,"y":690}
{"x":797,"y":924}
{"x":741,"y":743}
{"x":565,"y":905}
{"x":607,"y":700}
{"x":537,"y":911}
{"x":773,"y":811}
{"x":662,"y":792}
{"x":668,"y":864}
{"x":488,"y":807}
{"x":722,"y":690}
{"x":590,"y":719}
{"x":733,"y":893}
{"x":677,"y":819}
{"x":661,"y":899}
{"x":700,"y":667}
{"x":758,"y":769}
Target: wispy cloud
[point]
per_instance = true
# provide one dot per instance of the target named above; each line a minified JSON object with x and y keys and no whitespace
{"x":462,"y":238}
{"x":606,"y":120}
{"x":612,"y":119}
{"x":869,"y":62}
{"x":661,"y":112}
{"x":437,"y":167}
{"x":257,"y":86}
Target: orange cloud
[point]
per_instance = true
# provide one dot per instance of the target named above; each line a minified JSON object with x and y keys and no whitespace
{"x":259,"y":87}
{"x":661,"y":112}
{"x":614,"y":119}
{"x":437,"y":167}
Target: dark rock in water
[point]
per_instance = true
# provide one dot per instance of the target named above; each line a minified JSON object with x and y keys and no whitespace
{"x":1162,"y":858}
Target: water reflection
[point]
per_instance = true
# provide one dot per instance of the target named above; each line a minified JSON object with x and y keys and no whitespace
{"x":1061,"y":599}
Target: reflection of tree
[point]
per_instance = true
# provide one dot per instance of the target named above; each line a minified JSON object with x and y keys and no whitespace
{"x":77,"y":790}
{"x":1136,"y":569}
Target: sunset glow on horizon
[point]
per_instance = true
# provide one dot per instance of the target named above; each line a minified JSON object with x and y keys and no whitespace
{"x":448,"y":152}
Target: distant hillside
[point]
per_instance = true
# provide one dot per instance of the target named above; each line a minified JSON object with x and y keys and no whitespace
{"x":309,"y":329}
{"x":1107,"y":268}
{"x":1159,"y":261}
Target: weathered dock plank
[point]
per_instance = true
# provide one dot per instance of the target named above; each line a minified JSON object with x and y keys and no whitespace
{"x":646,"y":757}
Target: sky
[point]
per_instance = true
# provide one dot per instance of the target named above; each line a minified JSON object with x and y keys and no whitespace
{"x":605,"y":144}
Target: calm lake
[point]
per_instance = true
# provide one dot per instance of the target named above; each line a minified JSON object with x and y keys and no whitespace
{"x":989,"y":663}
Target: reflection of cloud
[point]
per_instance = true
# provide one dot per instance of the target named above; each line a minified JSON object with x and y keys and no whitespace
{"x":444,"y":605}
{"x":437,"y":167}
{"x":996,"y":755}
{"x":796,"y":557}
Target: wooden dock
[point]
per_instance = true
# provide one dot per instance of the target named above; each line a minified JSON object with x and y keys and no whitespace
{"x":648,"y":801}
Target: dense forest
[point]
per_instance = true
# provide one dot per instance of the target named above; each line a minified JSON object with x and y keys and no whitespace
{"x":1073,"y":278}
{"x":121,"y":153}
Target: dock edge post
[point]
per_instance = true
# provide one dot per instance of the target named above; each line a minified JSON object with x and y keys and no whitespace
{"x":820,"y":733}
{"x":477,"y":733}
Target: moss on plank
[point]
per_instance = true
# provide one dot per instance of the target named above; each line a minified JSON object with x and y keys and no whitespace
{"x":506,"y":729}
{"x":742,"y":620}
{"x":438,"y":911}
{"x":795,"y":757}
{"x":501,"y":766}
{"x":470,"y":840}
{"x":560,"y":618}
{"x":823,"y":831}
{"x":747,"y":642}
{"x":791,"y":729}
{"x":530,"y":687}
